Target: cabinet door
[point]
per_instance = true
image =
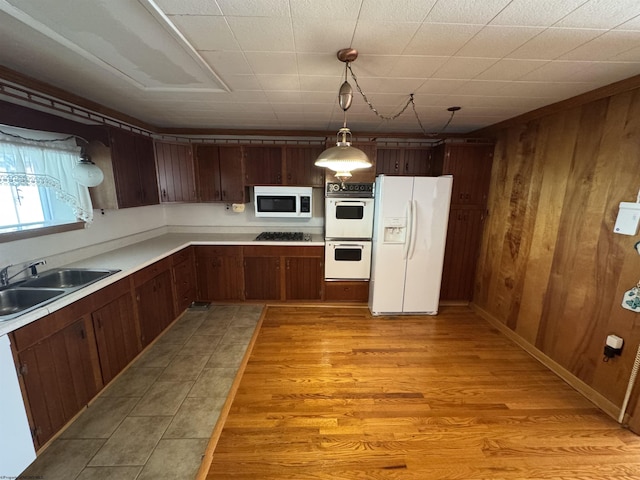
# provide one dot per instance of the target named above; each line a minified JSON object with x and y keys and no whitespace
{"x":125,"y":168}
{"x":470,"y":166}
{"x":59,"y":378}
{"x":388,"y":161}
{"x":461,"y":251}
{"x":116,"y":336}
{"x":155,"y":306}
{"x":208,"y":173}
{"x":300,"y":166}
{"x":416,"y":162}
{"x":262,"y":278}
{"x":176,"y":180}
{"x":147,"y":178}
{"x":304,"y":278}
{"x":263,"y":165}
{"x":231,"y":175}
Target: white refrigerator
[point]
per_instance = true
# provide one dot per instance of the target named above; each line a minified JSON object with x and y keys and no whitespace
{"x":409,"y":235}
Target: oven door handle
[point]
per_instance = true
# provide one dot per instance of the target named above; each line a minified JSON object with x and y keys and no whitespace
{"x":353,"y":247}
{"x":350,"y":203}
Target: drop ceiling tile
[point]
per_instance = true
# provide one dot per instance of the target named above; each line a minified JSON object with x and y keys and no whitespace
{"x":466,"y":11}
{"x":279,"y":83}
{"x":440,"y":39}
{"x":263,"y":34}
{"x":601,"y":14}
{"x":540,"y":13}
{"x":284,"y":97}
{"x":254,"y":8}
{"x":272,"y":63}
{"x":464,"y":68}
{"x":436,"y":86}
{"x":497,"y":41}
{"x":242,"y":82}
{"x":226,"y":63}
{"x":415,"y":66}
{"x":555,"y":71}
{"x":403,"y":86}
{"x":383,"y":38}
{"x":604,"y":47}
{"x":317,"y":83}
{"x":484,"y":87}
{"x":555,"y":91}
{"x":510,"y":69}
{"x":310,"y":35}
{"x":373,"y":66}
{"x":402,"y":10}
{"x":633,"y":24}
{"x":632,"y":55}
{"x":331,"y":9}
{"x":189,"y":7}
{"x":603,"y":73}
{"x":206,"y":32}
{"x":554,"y":42}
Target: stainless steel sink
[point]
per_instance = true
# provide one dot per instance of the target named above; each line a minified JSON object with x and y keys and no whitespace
{"x":20,"y":299}
{"x":67,"y":278}
{"x":23,"y":297}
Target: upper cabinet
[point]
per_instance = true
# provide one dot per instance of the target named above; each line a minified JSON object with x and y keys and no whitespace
{"x":406,"y":161}
{"x":283,"y":165}
{"x":130,"y":171}
{"x":470,"y":165}
{"x":220,"y":174}
{"x":176,"y":177}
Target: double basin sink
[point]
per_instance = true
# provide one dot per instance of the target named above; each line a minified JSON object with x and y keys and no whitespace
{"x":22,"y":297}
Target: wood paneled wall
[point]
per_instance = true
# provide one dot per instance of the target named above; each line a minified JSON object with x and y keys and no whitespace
{"x":550,"y":267}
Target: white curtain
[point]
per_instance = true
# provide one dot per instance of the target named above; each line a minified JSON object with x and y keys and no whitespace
{"x":44,"y":159}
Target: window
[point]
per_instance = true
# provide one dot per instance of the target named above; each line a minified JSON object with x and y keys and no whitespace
{"x":37,"y":189}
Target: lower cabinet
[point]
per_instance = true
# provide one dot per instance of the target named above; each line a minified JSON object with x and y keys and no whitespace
{"x":116,"y":335}
{"x":283,"y":273}
{"x":154,"y":297}
{"x":184,"y":279}
{"x":219,"y":273}
{"x":59,"y":369}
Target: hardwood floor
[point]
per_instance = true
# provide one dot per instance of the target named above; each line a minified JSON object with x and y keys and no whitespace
{"x":333,"y":393}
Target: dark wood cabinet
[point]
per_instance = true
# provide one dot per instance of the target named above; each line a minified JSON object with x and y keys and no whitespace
{"x":405,"y":161}
{"x":283,"y":273}
{"x":220,"y":174}
{"x":184,"y":279}
{"x":263,"y":165}
{"x":115,"y":328}
{"x":470,"y":165}
{"x":300,"y":166}
{"x":219,"y":273}
{"x":347,"y":291}
{"x":59,"y":368}
{"x":134,"y":169}
{"x":176,"y":176}
{"x":154,"y":297}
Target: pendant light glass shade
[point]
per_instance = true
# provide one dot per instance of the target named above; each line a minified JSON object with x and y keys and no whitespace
{"x":87,"y":173}
{"x":343,"y":158}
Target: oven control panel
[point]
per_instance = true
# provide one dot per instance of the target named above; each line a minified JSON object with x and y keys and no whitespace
{"x":362,"y":190}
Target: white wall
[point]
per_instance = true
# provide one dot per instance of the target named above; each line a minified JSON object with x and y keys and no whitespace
{"x":117,"y":228}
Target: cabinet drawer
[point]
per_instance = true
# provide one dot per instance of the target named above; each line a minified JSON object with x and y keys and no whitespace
{"x":147,"y":273}
{"x":346,"y":291}
{"x":217,"y":251}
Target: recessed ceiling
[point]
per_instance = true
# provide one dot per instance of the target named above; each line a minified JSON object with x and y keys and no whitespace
{"x":271,"y":64}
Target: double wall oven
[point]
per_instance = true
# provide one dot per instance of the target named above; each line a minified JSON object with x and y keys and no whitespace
{"x":348,"y":230}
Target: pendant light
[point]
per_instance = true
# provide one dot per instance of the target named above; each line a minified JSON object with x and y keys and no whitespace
{"x":343,"y":158}
{"x":87,"y":173}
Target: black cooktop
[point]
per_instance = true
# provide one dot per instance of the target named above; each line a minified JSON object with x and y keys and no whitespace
{"x":284,"y":237}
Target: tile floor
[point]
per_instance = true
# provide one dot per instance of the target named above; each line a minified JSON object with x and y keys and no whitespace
{"x":155,"y":420}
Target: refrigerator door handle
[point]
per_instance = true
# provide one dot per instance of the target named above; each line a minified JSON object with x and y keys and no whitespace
{"x":414,"y":227}
{"x":407,"y":240}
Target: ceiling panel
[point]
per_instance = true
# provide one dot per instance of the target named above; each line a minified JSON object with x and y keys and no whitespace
{"x":271,"y":64}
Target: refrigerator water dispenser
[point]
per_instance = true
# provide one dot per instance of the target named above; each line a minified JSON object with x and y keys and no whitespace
{"x":395,"y":229}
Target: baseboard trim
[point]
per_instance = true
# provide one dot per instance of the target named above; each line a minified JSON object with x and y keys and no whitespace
{"x":581,"y":387}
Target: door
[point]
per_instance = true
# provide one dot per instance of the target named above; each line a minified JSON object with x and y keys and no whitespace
{"x":428,"y":233}
{"x":390,"y":240}
{"x":347,"y":260}
{"x":349,"y":217}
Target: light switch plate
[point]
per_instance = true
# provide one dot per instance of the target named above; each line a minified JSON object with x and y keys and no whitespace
{"x":628,"y":218}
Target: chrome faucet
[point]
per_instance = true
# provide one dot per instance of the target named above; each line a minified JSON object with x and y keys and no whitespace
{"x":4,"y":273}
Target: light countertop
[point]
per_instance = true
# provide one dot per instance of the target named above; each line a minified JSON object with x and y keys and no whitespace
{"x":134,"y":257}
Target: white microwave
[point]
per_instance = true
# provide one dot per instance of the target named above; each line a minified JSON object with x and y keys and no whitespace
{"x":288,"y":202}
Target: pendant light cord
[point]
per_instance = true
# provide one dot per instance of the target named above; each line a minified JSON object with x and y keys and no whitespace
{"x":410,"y":100}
